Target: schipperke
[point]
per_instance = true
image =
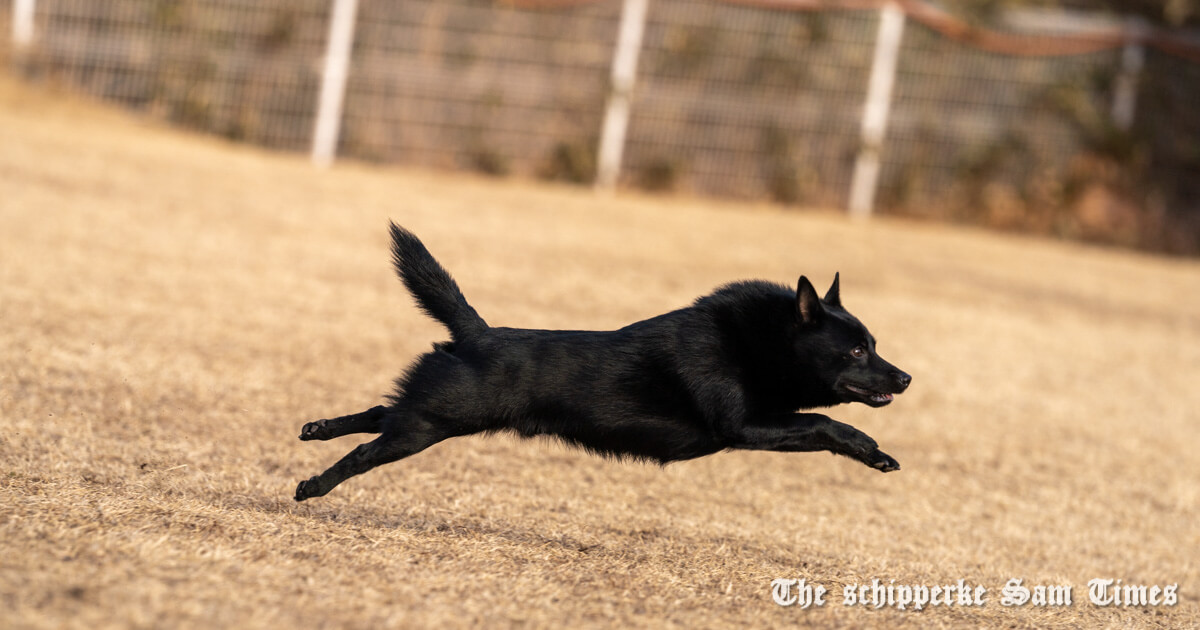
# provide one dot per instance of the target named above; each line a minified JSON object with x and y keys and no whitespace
{"x":728,"y":372}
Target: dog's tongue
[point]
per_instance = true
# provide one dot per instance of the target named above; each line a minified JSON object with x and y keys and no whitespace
{"x":883,"y":397}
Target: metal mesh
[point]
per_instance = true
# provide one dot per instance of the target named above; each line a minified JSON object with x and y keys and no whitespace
{"x":238,"y":68}
{"x":5,"y":23}
{"x":747,"y":102}
{"x":729,"y":100}
{"x":475,"y":85}
{"x":1168,"y":92}
{"x":963,"y":120}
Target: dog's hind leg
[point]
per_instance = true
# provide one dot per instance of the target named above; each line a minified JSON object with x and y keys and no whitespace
{"x":365,"y":422}
{"x":815,"y":432}
{"x":404,"y":434}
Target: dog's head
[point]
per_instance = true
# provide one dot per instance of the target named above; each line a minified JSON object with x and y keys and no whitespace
{"x":840,"y":351}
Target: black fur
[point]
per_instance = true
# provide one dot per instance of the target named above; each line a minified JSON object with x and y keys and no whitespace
{"x":436,"y":292}
{"x":728,"y":372}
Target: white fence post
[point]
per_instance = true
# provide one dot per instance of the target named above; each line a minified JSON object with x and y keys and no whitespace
{"x":1133,"y":57}
{"x":22,"y":24}
{"x":876,"y":109}
{"x":616,"y":114}
{"x":333,"y":81}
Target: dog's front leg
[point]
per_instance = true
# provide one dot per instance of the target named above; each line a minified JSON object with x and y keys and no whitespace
{"x":806,"y":432}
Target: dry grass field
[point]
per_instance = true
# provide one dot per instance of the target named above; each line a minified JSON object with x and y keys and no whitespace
{"x":174,"y":309}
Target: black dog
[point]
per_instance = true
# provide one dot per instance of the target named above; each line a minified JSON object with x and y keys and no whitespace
{"x":728,"y":372}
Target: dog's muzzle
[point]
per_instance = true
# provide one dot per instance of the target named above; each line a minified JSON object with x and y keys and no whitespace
{"x":899,"y":382}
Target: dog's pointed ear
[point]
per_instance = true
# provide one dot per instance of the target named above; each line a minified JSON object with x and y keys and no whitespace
{"x":833,"y":297}
{"x":808,"y":305}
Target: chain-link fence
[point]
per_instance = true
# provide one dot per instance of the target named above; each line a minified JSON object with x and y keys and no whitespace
{"x":730,"y":99}
{"x":964,"y":120}
{"x":740,"y":101}
{"x":479,"y":86}
{"x":5,"y":19}
{"x":244,"y":70}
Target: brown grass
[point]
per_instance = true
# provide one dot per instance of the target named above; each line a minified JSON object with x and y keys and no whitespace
{"x":174,"y":308}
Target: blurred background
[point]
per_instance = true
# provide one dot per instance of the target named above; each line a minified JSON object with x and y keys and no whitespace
{"x":1074,"y":119}
{"x":177,"y":304}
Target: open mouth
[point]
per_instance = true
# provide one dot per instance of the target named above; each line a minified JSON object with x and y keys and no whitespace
{"x":874,"y":398}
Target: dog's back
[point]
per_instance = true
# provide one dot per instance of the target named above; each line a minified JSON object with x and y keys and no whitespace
{"x":617,"y":393}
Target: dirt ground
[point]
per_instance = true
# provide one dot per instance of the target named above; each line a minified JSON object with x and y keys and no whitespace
{"x":174,"y":309}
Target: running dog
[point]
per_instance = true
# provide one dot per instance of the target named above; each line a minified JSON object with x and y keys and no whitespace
{"x":731,"y":371}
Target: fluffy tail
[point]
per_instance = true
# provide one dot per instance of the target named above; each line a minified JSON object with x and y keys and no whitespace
{"x":436,"y":292}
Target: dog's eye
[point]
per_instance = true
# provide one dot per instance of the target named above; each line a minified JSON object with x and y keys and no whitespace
{"x":858,"y":352}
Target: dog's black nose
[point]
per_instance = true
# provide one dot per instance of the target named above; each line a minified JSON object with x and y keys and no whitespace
{"x":902,"y":380}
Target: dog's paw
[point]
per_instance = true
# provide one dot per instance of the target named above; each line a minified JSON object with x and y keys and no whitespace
{"x":882,"y":461}
{"x":314,"y":431}
{"x":307,"y":489}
